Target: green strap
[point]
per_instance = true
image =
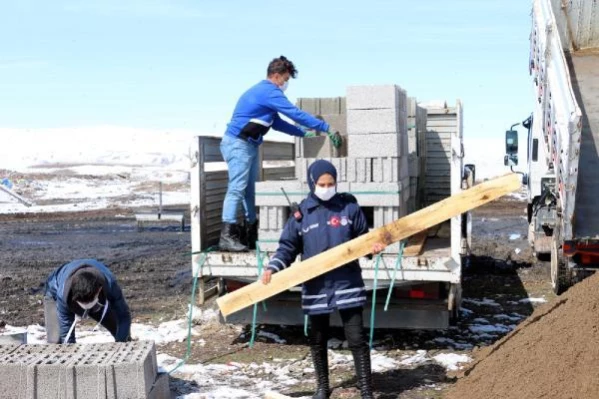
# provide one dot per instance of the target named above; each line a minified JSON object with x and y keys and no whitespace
{"x":379,"y":257}
{"x":306,"y":325}
{"x":201,"y":261}
{"x":260,"y":260}
{"x":397,"y":266}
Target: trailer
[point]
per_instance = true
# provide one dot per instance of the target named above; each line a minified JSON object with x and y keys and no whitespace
{"x":422,"y":279}
{"x":563,"y":138}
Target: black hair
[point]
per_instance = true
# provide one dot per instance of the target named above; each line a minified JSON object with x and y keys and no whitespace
{"x":84,"y":286}
{"x":281,"y":65}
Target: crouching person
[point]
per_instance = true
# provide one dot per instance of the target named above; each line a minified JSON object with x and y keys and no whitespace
{"x":329,"y":219}
{"x":84,"y":288}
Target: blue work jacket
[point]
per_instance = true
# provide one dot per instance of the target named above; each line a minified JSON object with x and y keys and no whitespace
{"x":58,"y":287}
{"x":324,"y":225}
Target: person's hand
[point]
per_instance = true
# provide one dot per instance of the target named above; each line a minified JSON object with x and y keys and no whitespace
{"x":309,"y":133}
{"x":335,"y":139}
{"x":377,"y":248}
{"x":266,"y":276}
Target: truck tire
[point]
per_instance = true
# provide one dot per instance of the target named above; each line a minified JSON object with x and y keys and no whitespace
{"x":561,"y":274}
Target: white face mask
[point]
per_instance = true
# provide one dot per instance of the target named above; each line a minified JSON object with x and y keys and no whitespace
{"x":325,"y":193}
{"x":285,"y":86}
{"x":88,"y":306}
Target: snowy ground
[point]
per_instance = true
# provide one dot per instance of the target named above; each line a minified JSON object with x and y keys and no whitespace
{"x":121,"y":167}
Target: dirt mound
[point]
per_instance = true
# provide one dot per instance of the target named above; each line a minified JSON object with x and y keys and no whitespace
{"x":553,"y":354}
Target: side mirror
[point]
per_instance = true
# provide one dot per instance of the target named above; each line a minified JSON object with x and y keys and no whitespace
{"x":510,"y":160}
{"x":511,"y":142}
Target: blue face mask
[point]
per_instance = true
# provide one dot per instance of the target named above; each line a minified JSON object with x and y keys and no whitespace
{"x":285,"y":86}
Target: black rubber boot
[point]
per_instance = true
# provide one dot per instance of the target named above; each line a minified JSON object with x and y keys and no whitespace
{"x":252,"y":234}
{"x":229,"y":239}
{"x":321,"y":368}
{"x":363,"y":371}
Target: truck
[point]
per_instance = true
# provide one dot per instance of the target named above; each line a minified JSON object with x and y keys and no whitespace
{"x":562,"y":176}
{"x":423,"y":282}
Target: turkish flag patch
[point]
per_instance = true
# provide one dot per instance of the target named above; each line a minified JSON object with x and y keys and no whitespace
{"x":335,"y":221}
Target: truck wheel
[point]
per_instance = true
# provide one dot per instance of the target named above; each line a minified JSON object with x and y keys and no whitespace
{"x":561,"y":275}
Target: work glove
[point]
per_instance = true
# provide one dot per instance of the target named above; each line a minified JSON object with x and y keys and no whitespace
{"x":309,"y":133}
{"x":335,"y":138}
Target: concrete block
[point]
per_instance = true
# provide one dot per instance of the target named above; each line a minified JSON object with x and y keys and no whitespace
{"x":269,"y":246}
{"x":322,"y":106}
{"x":6,"y":349}
{"x":404,"y":169}
{"x":322,"y":147}
{"x":302,"y":165}
{"x":268,"y":193}
{"x":269,"y":235}
{"x":133,"y":370}
{"x":413,"y":166}
{"x":359,"y":170}
{"x":338,"y":123}
{"x":373,"y":97}
{"x":123,"y":370}
{"x":332,"y":106}
{"x":160,"y":389}
{"x":272,"y":217}
{"x":411,"y":107}
{"x":372,"y":121}
{"x":385,"y":169}
{"x":412,"y":142}
{"x":377,"y":194}
{"x":380,"y":145}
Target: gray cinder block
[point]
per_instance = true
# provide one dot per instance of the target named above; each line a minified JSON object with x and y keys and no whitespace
{"x":359,"y":170}
{"x":160,"y":389}
{"x":381,"y":145}
{"x":374,"y":97}
{"x":411,"y":106}
{"x":377,"y":194}
{"x":269,"y":235}
{"x":385,"y":169}
{"x":372,"y":121}
{"x":134,"y":369}
{"x":413,"y":166}
{"x":322,"y":147}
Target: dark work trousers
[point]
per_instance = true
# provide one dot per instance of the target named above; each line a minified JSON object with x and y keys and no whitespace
{"x":352,"y":326}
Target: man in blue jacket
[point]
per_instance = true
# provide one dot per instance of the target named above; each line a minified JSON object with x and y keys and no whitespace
{"x":255,"y":113}
{"x":328,"y":219}
{"x":84,"y":288}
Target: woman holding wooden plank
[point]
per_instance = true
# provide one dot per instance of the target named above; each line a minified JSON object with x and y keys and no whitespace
{"x":328,"y":219}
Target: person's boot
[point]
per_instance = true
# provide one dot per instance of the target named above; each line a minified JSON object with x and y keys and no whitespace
{"x":242,"y":232}
{"x":229,"y":239}
{"x":363,"y":371}
{"x":321,"y":368}
{"x":252,"y":234}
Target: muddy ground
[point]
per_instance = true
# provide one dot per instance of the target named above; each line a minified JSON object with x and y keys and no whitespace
{"x":153,"y":267}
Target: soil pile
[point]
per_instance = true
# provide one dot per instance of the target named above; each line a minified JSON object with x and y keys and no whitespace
{"x":552,"y":354}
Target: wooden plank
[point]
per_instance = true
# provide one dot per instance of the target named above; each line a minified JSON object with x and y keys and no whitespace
{"x":362,"y":246}
{"x":415,"y":244}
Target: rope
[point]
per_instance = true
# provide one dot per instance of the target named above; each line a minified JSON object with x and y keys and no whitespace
{"x":201,"y":261}
{"x":306,"y":325}
{"x":397,"y":266}
{"x":260,"y":260}
{"x":379,"y":257}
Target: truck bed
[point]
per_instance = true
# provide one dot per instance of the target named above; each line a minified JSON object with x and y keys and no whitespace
{"x":433,"y":264}
{"x":584,"y":72}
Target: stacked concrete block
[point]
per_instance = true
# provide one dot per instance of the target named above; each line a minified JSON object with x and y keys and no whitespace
{"x":332,"y":110}
{"x":341,"y":164}
{"x":380,"y":111}
{"x":107,"y":371}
